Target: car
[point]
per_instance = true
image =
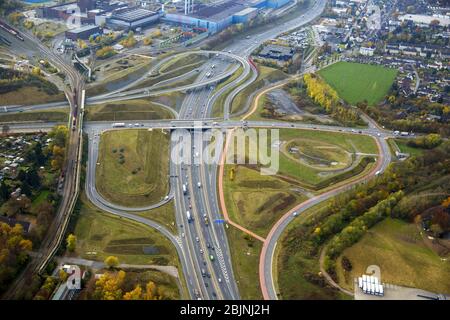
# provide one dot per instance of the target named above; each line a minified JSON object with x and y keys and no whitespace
{"x":295,"y":214}
{"x":220,"y":280}
{"x":201,"y":251}
{"x":211,"y":257}
{"x":206,"y":285}
{"x":292,"y":125}
{"x":182,"y":234}
{"x":204,"y":262}
{"x":208,"y":245}
{"x":214,"y":294}
{"x":197,"y":239}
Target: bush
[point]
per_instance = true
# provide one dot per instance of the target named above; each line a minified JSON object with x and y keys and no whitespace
{"x":346,"y":264}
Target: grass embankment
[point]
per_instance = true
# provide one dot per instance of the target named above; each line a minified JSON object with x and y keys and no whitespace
{"x":405,"y":148}
{"x":138,"y":109}
{"x":52,"y":115}
{"x":297,"y":266}
{"x":398,"y":248}
{"x":355,"y":82}
{"x":120,"y":78}
{"x":183,"y":61}
{"x":245,"y":253}
{"x":155,"y":79}
{"x":256,"y":201}
{"x":218,"y":105}
{"x":134,"y":166}
{"x":100,"y":234}
{"x":29,"y":96}
{"x":265,"y":77}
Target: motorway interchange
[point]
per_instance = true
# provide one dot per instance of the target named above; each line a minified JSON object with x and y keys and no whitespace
{"x":200,"y":242}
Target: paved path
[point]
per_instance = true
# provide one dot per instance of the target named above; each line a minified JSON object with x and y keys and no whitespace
{"x":170,"y":270}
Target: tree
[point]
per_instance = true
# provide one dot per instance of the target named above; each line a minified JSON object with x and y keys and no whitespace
{"x":150,"y":291}
{"x":63,"y":275}
{"x":5,"y":129}
{"x":4,"y":191}
{"x":36,"y":71}
{"x":112,"y":261}
{"x":441,"y":218}
{"x":135,"y":294}
{"x":436,"y":230}
{"x":14,"y":250}
{"x":71,"y":242}
{"x":148,"y":41}
{"x":108,"y":287}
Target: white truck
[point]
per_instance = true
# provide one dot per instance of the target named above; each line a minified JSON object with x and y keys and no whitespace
{"x":184,"y":189}
{"x":188,"y":216}
{"x":118,"y":125}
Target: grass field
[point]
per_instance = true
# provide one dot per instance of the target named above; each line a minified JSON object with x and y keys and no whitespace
{"x":256,"y":201}
{"x":164,"y":215}
{"x":345,"y":142}
{"x":403,"y":146}
{"x":57,"y":115}
{"x":173,"y":99}
{"x":356,"y":82}
{"x":142,"y":178}
{"x":398,"y":249}
{"x":179,"y":62}
{"x":266,"y":76}
{"x":217,"y":110}
{"x":245,"y":253}
{"x":106,"y":235}
{"x":29,"y":96}
{"x":138,"y":109}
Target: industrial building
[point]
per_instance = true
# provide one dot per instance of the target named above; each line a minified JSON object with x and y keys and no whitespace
{"x":218,"y":16}
{"x":131,"y":18}
{"x":277,"y":52}
{"x":82,"y":33}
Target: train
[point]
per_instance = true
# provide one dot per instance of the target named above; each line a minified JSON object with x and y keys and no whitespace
{"x":11,"y":30}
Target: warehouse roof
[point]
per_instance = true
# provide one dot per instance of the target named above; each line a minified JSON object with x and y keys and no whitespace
{"x":83,"y":28}
{"x":219,"y":11}
{"x":132,"y":14}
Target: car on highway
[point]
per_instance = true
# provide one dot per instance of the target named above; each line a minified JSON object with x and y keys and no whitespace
{"x":220,"y":280}
{"x":201,"y":251}
{"x":295,"y":214}
{"x":197,"y":239}
{"x":211,"y":257}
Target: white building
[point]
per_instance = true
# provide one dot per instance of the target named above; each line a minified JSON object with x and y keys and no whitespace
{"x":365,"y":51}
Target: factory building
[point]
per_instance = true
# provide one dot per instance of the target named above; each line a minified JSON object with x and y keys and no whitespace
{"x":244,"y":16}
{"x":131,"y":18}
{"x":219,"y":15}
{"x":215,"y":18}
{"x":82,"y":33}
{"x":276,"y":3}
